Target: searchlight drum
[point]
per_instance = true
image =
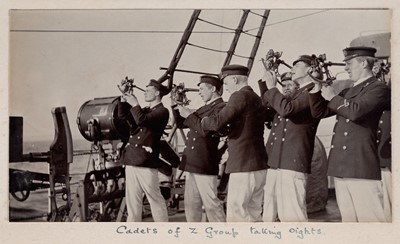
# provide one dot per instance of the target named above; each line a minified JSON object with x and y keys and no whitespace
{"x":97,"y":120}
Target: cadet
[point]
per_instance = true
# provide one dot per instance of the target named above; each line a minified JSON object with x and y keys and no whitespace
{"x":247,"y":156}
{"x":288,"y":85}
{"x":200,"y":156}
{"x":141,"y":155}
{"x":290,"y":146}
{"x":385,"y":148}
{"x":353,"y":159}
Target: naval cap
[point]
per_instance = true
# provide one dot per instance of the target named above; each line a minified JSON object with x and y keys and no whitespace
{"x":162,"y":89}
{"x":352,"y":52}
{"x":286,"y":76}
{"x":304,"y":58}
{"x":215,"y":81}
{"x":234,"y":69}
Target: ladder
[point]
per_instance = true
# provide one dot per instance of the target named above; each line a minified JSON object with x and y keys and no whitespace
{"x":168,"y":75}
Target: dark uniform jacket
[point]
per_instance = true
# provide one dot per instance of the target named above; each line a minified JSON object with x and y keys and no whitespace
{"x":245,"y":115}
{"x":147,"y":127}
{"x":358,"y":109}
{"x":384,"y":140}
{"x":201,"y":150}
{"x":291,"y":140}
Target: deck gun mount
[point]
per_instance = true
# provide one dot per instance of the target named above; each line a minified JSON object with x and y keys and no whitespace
{"x":59,"y":156}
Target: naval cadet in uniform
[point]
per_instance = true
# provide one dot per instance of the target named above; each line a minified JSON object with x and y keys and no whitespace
{"x":200,"y":156}
{"x":288,"y":85}
{"x":247,"y":160}
{"x":384,"y":142}
{"x":290,"y":145}
{"x":141,"y":154}
{"x":353,"y":158}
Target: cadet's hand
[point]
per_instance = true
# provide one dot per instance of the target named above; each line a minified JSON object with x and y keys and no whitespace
{"x":184,"y":111}
{"x":327,"y":92}
{"x":270,"y":79}
{"x":131,"y":99}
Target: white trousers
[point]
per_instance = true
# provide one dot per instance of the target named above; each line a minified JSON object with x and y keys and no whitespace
{"x":245,"y":194}
{"x":387,"y":192}
{"x":285,"y":196}
{"x":360,"y":200}
{"x":141,"y":180}
{"x":201,"y":190}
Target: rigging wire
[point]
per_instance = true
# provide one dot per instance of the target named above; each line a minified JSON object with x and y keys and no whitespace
{"x":206,"y":48}
{"x":287,"y":20}
{"x":240,"y":56}
{"x":169,"y":32}
{"x":122,"y":31}
{"x":211,"y":23}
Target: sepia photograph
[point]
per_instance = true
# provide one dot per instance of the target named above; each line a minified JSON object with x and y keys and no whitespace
{"x":256,"y":124}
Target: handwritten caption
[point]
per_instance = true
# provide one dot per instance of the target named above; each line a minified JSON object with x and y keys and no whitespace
{"x":230,"y":232}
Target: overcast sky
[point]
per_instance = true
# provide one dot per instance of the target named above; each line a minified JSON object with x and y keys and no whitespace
{"x":67,"y":57}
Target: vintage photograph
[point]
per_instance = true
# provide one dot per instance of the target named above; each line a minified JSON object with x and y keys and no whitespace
{"x":257,"y":116}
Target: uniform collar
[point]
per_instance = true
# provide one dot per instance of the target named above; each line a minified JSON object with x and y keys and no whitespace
{"x":212,"y":100}
{"x":355,"y":90}
{"x":154,"y":105}
{"x":361,"y":80}
{"x":246,"y":87}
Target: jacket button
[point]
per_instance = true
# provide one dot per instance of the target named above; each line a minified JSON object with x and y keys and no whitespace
{"x":141,"y":130}
{"x":287,"y":120}
{"x":333,"y":133}
{"x":138,"y":137}
{"x":136,"y":145}
{"x":377,"y":141}
{"x":380,"y":121}
{"x":192,"y":147}
{"x":273,"y":133}
{"x":195,"y":131}
{"x":131,"y":137}
{"x":344,"y":147}
{"x":194,"y":139}
{"x":275,"y":124}
{"x":285,"y":130}
{"x":347,"y":120}
{"x":280,"y":119}
{"x":283,"y":139}
{"x":275,"y":138}
{"x":272,"y":143}
{"x":345,"y":133}
{"x":379,"y":131}
{"x":332,"y":146}
{"x":279,"y":116}
{"x":128,"y":144}
{"x":337,"y":121}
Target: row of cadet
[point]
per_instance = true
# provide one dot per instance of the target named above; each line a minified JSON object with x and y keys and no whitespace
{"x":267,"y":182}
